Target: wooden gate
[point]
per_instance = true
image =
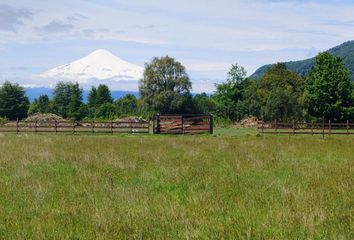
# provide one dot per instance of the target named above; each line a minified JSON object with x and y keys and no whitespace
{"x":183,"y":124}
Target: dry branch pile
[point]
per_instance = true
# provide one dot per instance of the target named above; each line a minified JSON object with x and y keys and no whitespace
{"x":45,"y":117}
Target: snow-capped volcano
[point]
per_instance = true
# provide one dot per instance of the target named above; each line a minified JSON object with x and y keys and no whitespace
{"x":99,"y":65}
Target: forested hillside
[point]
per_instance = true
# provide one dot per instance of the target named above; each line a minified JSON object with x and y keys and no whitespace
{"x":345,"y":51}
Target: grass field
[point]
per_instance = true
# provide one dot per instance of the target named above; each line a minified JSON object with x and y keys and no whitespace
{"x":231,"y":185}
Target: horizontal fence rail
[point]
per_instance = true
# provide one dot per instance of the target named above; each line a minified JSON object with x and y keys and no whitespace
{"x":93,"y":127}
{"x":183,"y":124}
{"x":313,"y":128}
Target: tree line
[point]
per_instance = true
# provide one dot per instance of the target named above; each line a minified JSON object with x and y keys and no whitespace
{"x":326,"y":93}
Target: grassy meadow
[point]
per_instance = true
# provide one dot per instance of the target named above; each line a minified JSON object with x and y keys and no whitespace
{"x":233,"y":185}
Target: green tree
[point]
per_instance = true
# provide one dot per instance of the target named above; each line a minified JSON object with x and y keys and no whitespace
{"x":203,"y":103}
{"x":40,"y":105}
{"x":106,"y":111}
{"x":329,"y":89}
{"x":92,"y":97}
{"x":14,"y":103}
{"x":279,"y":77}
{"x":76,"y":109}
{"x":250,"y":104}
{"x":127,"y":105}
{"x":165,"y":86}
{"x":229,"y":93}
{"x":281,"y":106}
{"x":103,"y":95}
{"x":62,"y":98}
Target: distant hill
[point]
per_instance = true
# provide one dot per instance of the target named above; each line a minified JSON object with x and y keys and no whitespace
{"x":345,"y":51}
{"x":33,"y":93}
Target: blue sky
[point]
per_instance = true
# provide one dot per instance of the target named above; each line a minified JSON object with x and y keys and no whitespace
{"x":206,"y":36}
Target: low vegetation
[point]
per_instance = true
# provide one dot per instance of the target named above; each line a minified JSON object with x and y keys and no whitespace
{"x":240,"y":186}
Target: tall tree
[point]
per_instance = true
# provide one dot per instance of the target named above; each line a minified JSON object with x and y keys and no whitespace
{"x":13,"y":101}
{"x":279,"y":77}
{"x":329,"y":88}
{"x":62,"y":97}
{"x":76,"y":107}
{"x":281,"y":106}
{"x":103,"y":95}
{"x":230,"y":92}
{"x":250,"y":104}
{"x":92,"y":97}
{"x":165,"y":86}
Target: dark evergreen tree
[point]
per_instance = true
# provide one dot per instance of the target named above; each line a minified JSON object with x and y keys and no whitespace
{"x":76,"y":108}
{"x":62,"y":98}
{"x":103,"y":95}
{"x":92,"y":97}
{"x":14,"y":103}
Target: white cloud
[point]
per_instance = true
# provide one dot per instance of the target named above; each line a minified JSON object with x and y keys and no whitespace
{"x":11,"y":17}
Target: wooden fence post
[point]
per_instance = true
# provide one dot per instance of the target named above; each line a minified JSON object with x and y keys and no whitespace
{"x":312,"y":128}
{"x":211,"y":124}
{"x":35,"y":127}
{"x":294,"y":127}
{"x":131,"y":127}
{"x":347,"y":127}
{"x":153,"y":124}
{"x":17,"y":129}
{"x":323,"y":127}
{"x":73,"y":126}
{"x":276,"y":126}
{"x":262,"y":127}
{"x":112,"y":127}
{"x":329,"y":127}
{"x":182,"y":124}
{"x":55,"y":126}
{"x":93,"y":127}
{"x":158,"y":124}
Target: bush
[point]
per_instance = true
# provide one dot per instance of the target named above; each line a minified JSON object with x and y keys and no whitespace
{"x":3,"y":120}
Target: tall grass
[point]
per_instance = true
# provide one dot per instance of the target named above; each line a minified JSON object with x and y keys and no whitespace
{"x":149,"y":187}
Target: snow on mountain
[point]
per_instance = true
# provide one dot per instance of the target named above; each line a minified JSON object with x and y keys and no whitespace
{"x":99,"y":65}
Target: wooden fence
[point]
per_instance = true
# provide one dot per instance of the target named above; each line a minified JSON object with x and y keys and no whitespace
{"x":313,"y":128}
{"x":183,"y":124}
{"x":75,"y":127}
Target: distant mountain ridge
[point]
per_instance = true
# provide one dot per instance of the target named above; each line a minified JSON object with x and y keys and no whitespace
{"x":345,"y":51}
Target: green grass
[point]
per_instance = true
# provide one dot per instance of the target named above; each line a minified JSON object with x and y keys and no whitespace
{"x":233,"y":185}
